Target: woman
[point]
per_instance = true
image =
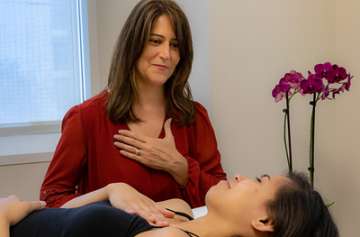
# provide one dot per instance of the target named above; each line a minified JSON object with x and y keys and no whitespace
{"x":268,"y":206}
{"x":144,"y":130}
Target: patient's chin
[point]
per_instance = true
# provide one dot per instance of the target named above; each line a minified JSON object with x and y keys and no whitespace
{"x":212,"y":196}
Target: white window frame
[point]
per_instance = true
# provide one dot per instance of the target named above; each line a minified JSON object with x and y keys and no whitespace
{"x":47,"y":133}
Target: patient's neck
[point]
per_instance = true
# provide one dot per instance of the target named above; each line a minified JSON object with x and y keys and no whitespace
{"x":206,"y":226}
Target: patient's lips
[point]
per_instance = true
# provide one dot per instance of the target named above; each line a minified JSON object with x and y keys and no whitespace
{"x":224,"y":183}
{"x":228,"y":183}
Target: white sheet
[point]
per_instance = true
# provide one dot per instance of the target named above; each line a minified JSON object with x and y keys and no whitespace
{"x":199,"y":211}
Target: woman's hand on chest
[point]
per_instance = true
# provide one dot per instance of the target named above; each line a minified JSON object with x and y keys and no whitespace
{"x":156,"y":153}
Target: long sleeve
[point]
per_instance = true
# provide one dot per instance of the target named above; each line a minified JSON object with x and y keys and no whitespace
{"x":67,"y":165}
{"x":205,"y":169}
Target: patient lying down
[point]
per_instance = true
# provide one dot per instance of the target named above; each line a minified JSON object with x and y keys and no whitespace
{"x":284,"y":206}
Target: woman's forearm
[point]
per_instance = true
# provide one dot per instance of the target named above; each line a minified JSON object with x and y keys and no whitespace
{"x":4,"y":228}
{"x":101,"y":194}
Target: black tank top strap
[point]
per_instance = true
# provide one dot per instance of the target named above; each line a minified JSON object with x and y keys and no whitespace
{"x":183,"y":214}
{"x":190,"y":234}
{"x":190,"y":218}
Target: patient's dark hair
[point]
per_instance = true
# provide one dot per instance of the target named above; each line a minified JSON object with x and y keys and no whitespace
{"x":298,"y":211}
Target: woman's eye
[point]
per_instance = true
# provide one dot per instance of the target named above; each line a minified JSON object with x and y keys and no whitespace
{"x":175,"y":45}
{"x":155,"y":41}
{"x":258,"y":179}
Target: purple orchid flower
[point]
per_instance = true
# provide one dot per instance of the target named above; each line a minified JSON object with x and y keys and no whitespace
{"x":348,"y":83}
{"x":312,"y":84}
{"x":327,"y":81}
{"x":323,"y":70}
{"x":332,"y":73}
{"x":289,"y":83}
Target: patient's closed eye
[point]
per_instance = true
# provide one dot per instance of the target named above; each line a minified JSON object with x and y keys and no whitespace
{"x":265,"y":176}
{"x":259,"y":179}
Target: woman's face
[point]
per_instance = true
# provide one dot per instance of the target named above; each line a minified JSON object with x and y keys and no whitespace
{"x":160,"y":54}
{"x":242,"y":199}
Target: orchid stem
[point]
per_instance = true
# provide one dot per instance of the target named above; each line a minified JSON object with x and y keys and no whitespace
{"x":288,"y":132}
{"x":312,"y":140}
{"x":285,"y":142}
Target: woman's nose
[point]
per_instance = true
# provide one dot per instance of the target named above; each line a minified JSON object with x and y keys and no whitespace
{"x":165,"y":52}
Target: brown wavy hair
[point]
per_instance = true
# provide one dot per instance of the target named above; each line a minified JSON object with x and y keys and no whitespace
{"x":298,"y":211}
{"x":130,"y":44}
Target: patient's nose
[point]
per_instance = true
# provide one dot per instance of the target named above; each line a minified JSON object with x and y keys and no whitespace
{"x":239,"y":178}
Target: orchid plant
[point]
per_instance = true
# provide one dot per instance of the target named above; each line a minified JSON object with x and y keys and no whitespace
{"x":327,"y":81}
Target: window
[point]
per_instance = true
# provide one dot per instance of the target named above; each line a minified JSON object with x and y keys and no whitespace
{"x":43,"y":60}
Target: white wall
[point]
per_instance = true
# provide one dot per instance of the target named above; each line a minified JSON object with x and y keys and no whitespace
{"x":22,"y":180}
{"x":242,"y":49}
{"x":339,"y":142}
{"x":253,"y":43}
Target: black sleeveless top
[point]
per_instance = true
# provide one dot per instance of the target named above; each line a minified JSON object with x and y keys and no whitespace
{"x":190,"y":218}
{"x":94,"y":220}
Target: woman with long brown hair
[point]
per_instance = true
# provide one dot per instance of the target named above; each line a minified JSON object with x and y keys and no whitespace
{"x":144,"y":129}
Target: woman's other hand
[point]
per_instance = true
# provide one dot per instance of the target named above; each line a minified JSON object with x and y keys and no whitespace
{"x":156,"y":153}
{"x":13,"y":210}
{"x":125,"y":197}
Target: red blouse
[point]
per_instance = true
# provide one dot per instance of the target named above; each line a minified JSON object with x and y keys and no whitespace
{"x":85,"y":158}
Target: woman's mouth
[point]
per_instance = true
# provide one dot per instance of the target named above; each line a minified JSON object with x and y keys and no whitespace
{"x":161,"y":67}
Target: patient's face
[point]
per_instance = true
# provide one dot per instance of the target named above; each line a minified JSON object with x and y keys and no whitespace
{"x":242,"y":198}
